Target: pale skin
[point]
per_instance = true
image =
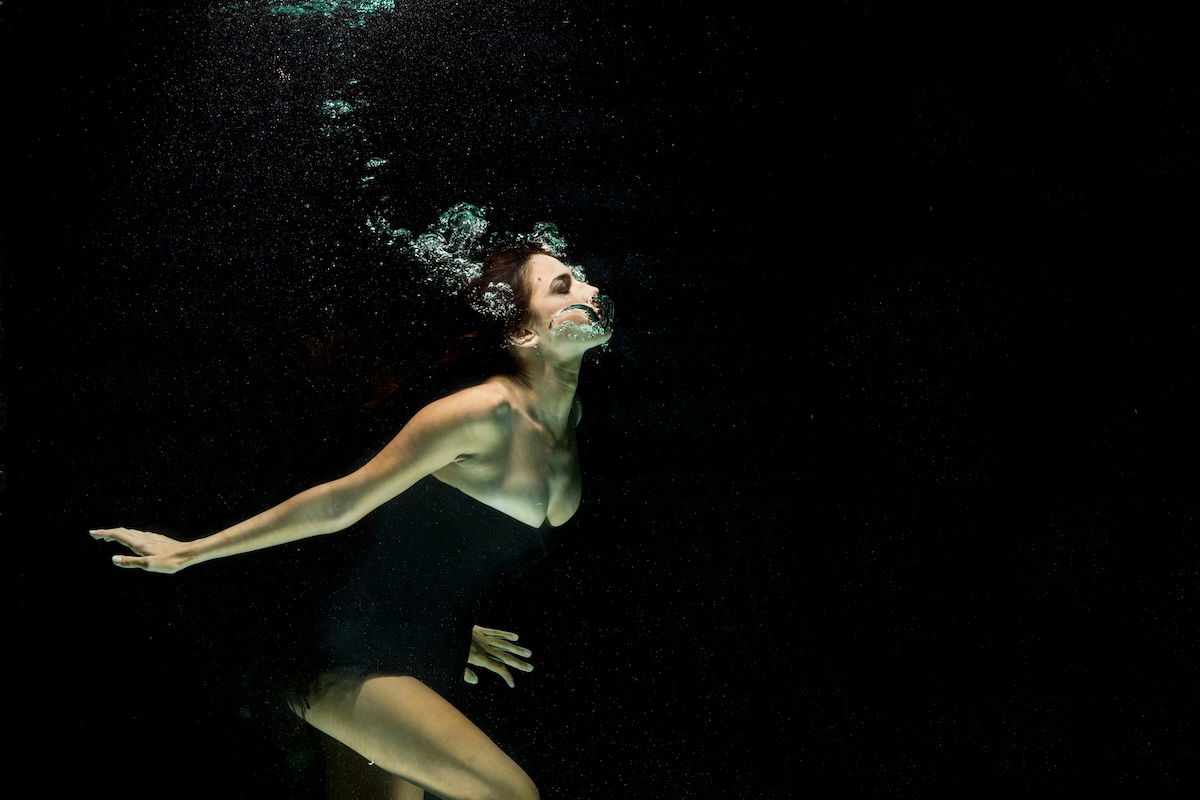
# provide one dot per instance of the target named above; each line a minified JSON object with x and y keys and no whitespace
{"x":508,"y":442}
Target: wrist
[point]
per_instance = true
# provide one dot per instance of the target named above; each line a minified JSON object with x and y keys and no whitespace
{"x":191,"y":553}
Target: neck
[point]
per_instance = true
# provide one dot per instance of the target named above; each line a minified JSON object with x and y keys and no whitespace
{"x":551,"y":385}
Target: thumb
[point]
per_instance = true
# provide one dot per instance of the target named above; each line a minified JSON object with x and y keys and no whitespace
{"x":469,"y":676}
{"x":130,"y":561}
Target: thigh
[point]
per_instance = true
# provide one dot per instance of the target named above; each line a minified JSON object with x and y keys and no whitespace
{"x":408,"y":729}
{"x":401,"y":789}
{"x":349,"y":776}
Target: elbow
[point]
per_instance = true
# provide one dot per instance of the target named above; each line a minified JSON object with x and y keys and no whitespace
{"x":340,"y":508}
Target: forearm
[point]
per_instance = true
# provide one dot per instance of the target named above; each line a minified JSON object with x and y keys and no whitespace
{"x":309,"y":513}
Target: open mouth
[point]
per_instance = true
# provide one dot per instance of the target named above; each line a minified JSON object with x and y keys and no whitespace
{"x":605,"y":311}
{"x":592,"y":314}
{"x":603,"y":315}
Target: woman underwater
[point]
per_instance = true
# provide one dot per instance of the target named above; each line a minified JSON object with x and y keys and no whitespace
{"x":509,"y":444}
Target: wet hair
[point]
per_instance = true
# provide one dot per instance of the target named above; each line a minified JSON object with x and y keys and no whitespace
{"x":501,"y":294}
{"x":473,"y":334}
{"x":500,"y":298}
{"x":446,"y":340}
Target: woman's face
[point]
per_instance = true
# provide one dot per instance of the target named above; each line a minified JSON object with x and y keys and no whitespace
{"x":552,"y":290}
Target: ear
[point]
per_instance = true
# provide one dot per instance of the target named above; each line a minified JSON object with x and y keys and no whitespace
{"x":524,"y":338}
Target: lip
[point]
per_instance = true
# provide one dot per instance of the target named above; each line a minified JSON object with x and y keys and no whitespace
{"x":604,"y":309}
{"x":593,"y":313}
{"x":599,"y":311}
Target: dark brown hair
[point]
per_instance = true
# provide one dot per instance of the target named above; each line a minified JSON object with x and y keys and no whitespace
{"x":491,"y":308}
{"x":501,"y":293}
{"x":393,"y":363}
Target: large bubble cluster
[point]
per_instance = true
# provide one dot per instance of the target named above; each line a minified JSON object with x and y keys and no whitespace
{"x":450,"y":252}
{"x":448,"y":255}
{"x":351,"y":12}
{"x":448,"y":248}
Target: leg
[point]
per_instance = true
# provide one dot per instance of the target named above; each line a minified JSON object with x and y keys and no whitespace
{"x":350,"y":777}
{"x":403,"y":790}
{"x":408,"y":729}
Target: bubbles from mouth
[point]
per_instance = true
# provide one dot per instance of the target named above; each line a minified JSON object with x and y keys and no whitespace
{"x":574,"y":332}
{"x":598,"y":322}
{"x":608,"y":312}
{"x":593,"y":317}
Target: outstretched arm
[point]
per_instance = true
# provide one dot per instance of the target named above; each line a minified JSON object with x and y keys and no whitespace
{"x":306,"y":514}
{"x":441,"y":432}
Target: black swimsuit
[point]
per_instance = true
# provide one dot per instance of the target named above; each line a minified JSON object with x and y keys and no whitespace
{"x":408,"y":604}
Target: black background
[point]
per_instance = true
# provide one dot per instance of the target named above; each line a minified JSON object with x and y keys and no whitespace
{"x":885,"y":484}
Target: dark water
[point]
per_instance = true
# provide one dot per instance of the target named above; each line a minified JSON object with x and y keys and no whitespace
{"x":885,"y":483}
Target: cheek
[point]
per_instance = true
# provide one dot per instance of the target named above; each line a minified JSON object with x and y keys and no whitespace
{"x":547,"y":311}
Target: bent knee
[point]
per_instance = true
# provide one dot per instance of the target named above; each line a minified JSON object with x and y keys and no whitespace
{"x":521,"y":788}
{"x":529,"y":792}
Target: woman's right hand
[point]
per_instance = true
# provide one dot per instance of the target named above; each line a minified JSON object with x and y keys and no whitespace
{"x":494,"y":649}
{"x":155,"y":552}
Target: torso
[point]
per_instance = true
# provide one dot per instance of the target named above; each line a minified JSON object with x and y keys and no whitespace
{"x":524,"y":470}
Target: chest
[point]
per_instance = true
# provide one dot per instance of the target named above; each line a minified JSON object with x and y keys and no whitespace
{"x":525,"y":474}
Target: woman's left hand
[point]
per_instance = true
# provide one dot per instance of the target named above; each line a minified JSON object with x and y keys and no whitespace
{"x":494,"y":649}
{"x":155,"y":552}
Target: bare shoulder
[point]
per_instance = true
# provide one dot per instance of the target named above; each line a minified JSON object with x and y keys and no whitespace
{"x":482,"y":400}
{"x":477,"y":407}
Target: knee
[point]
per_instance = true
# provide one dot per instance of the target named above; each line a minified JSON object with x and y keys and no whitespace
{"x":519,"y":788}
{"x":527,"y":791}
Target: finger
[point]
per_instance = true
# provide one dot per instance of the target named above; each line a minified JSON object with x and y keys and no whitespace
{"x":503,"y":672}
{"x":502,"y":634}
{"x":512,"y":648}
{"x":131,"y":562}
{"x":125,"y":536}
{"x":469,"y":676}
{"x":512,"y":661}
